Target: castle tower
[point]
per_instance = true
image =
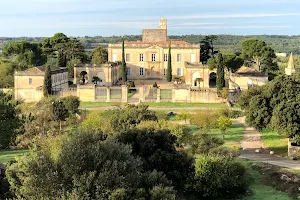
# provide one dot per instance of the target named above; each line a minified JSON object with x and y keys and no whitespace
{"x":291,"y":66}
{"x":163,"y":24}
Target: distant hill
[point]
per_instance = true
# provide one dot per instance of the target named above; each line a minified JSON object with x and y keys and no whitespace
{"x":225,"y":43}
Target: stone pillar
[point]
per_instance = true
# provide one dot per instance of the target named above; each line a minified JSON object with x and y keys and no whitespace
{"x":75,"y":75}
{"x":188,"y":96}
{"x":158,"y":95}
{"x":124,"y":94}
{"x":107,"y":94}
{"x":173,"y":95}
{"x":142,"y":93}
{"x":95,"y":87}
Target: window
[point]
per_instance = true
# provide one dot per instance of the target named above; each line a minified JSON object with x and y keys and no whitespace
{"x":141,"y":71}
{"x":141,"y":57}
{"x":127,"y":57}
{"x":164,"y":72}
{"x":114,"y":57}
{"x":153,"y":57}
{"x":30,"y":81}
{"x":193,"y":58}
{"x":128,"y":71}
{"x":178,"y":57}
{"x":165,"y":57}
{"x":179,"y":72}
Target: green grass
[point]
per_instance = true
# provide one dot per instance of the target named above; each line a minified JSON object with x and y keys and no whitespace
{"x":130,"y":94}
{"x":97,"y":104}
{"x":275,"y":142}
{"x":233,"y":135}
{"x":10,"y":155}
{"x":260,"y":191}
{"x":190,"y":105}
{"x":263,"y":192}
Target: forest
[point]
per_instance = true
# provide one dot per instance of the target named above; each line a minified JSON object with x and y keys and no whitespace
{"x":225,"y":43}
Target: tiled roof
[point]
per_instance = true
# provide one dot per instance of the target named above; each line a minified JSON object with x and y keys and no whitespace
{"x":246,"y":70}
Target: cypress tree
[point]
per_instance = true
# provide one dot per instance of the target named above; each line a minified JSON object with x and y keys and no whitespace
{"x":47,"y":88}
{"x":169,"y":70}
{"x":61,"y":59}
{"x":220,"y":73}
{"x":124,"y":72}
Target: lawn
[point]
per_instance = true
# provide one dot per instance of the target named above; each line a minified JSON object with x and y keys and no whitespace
{"x":275,"y":142}
{"x":156,"y":105}
{"x":263,"y":192}
{"x":259,"y":190}
{"x":233,"y":135}
{"x":97,"y":104}
{"x":189,"y":105}
{"x":10,"y":155}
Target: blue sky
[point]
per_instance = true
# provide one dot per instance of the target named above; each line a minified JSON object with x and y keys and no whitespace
{"x":126,"y":17}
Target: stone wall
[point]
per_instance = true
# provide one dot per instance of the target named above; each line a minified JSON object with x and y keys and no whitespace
{"x":154,"y":35}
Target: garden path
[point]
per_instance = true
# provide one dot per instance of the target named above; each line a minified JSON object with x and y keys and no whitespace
{"x":252,"y":141}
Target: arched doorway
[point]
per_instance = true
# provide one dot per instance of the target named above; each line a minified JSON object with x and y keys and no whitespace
{"x":101,"y":76}
{"x":152,"y":72}
{"x":196,"y":79}
{"x":83,"y":77}
{"x":212,"y":80}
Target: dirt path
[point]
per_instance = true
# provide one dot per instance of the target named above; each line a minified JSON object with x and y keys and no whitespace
{"x":252,"y":141}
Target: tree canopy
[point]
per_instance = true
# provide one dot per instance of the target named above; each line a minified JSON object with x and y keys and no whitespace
{"x":100,"y":55}
{"x":274,"y":105}
{"x":24,"y":53}
{"x":256,"y":52}
{"x":86,"y":166}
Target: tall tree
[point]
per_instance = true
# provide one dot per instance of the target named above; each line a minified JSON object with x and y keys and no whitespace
{"x":47,"y":87}
{"x":10,"y":122}
{"x":61,"y":59}
{"x":169,"y":69}
{"x":220,"y":73}
{"x":124,"y":71}
{"x":60,"y":112}
{"x":24,"y":53}
{"x":256,"y":52}
{"x":100,"y":55}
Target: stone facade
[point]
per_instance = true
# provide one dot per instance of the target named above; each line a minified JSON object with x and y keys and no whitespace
{"x":29,"y":83}
{"x":246,"y":77}
{"x":148,"y":59}
{"x":109,"y":74}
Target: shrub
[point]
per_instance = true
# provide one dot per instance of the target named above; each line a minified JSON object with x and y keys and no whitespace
{"x":205,"y":120}
{"x":231,"y":113}
{"x":204,"y":143}
{"x":219,"y":177}
{"x":85,"y":166}
{"x":155,"y":85}
{"x":226,"y":151}
{"x":157,"y":150}
{"x":72,"y":103}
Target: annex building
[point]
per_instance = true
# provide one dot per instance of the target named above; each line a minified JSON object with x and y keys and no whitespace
{"x":29,"y":83}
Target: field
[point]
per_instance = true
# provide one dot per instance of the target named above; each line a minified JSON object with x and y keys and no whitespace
{"x":157,"y":105}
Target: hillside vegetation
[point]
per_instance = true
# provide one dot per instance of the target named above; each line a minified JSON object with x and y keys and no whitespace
{"x":226,"y":43}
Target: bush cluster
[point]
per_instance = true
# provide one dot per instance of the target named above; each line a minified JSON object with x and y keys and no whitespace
{"x":218,"y":177}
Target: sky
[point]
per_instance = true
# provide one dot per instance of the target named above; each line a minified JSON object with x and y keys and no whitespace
{"x":44,"y":18}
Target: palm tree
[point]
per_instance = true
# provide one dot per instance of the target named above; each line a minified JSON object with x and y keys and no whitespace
{"x":96,"y":79}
